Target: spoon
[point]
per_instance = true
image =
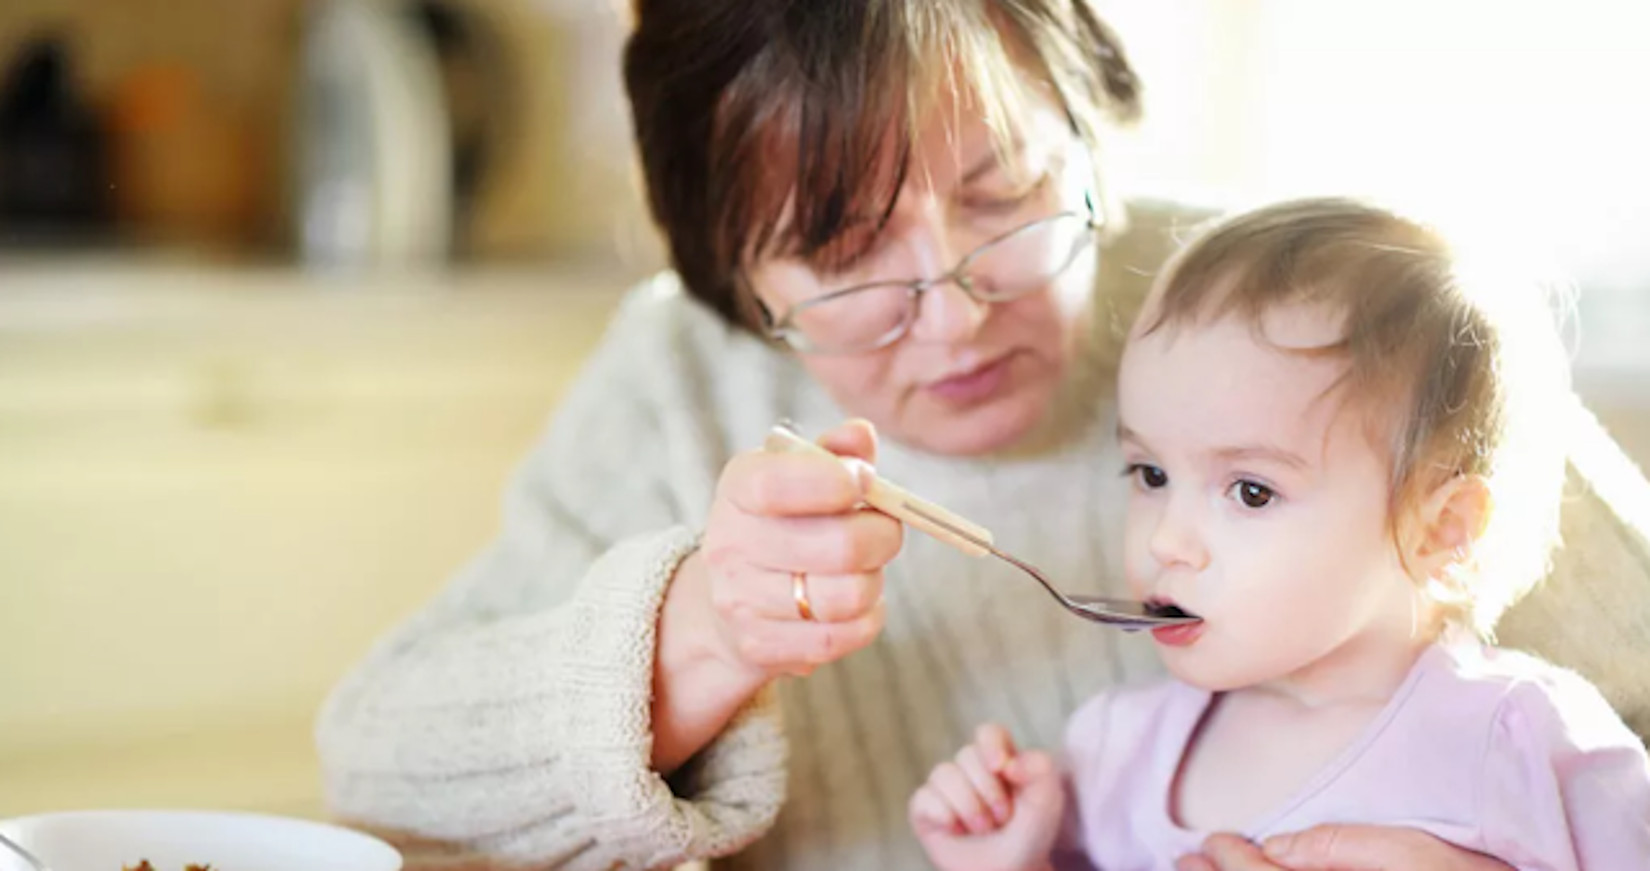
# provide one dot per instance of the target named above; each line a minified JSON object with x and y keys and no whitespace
{"x":976,"y":540}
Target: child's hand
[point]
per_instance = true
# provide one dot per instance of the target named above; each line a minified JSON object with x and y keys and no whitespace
{"x":991,"y":809}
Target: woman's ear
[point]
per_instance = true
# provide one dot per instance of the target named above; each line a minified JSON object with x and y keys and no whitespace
{"x":1448,"y":525}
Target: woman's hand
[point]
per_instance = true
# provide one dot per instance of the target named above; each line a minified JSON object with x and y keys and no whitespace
{"x":731,"y":621}
{"x":990,"y":808}
{"x":780,"y":515}
{"x":1338,"y":847}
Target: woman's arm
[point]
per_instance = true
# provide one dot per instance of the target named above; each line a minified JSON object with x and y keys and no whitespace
{"x":511,"y":717}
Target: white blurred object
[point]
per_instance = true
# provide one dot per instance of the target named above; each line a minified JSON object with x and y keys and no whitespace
{"x":374,"y":171}
{"x":170,"y":840}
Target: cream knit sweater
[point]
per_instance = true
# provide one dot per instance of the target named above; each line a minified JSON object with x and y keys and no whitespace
{"x":506,"y":726}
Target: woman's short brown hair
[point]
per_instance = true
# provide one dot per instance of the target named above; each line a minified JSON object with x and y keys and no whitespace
{"x":750,"y":112}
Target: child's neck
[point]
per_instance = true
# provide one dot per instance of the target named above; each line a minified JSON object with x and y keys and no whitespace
{"x":1257,"y":746}
{"x":1365,"y":670}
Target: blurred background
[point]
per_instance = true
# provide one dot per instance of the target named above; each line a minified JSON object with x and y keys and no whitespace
{"x":287,"y":287}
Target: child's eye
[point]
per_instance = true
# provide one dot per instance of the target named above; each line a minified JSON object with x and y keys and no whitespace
{"x":1148,"y":475}
{"x":1253,"y":495}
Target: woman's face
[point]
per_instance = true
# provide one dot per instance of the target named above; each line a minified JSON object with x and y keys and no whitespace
{"x":969,"y":377}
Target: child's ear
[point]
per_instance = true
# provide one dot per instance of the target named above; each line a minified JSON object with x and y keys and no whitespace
{"x":1448,"y":525}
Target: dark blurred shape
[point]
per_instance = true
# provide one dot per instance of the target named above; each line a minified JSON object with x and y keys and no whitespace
{"x":54,"y":183}
{"x":476,"y":89}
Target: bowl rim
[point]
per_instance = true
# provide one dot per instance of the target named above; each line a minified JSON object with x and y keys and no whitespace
{"x":363,"y":839}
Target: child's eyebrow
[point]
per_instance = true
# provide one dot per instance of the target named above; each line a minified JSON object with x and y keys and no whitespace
{"x":1262,"y":452}
{"x":1233,"y":452}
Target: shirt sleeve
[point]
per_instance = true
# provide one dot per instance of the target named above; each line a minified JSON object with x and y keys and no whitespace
{"x":1566,"y":785}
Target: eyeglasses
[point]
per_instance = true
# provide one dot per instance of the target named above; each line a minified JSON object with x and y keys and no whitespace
{"x":867,"y":317}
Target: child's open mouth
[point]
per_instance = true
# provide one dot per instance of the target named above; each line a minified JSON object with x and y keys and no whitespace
{"x":1178,"y":635}
{"x":1166,"y":608}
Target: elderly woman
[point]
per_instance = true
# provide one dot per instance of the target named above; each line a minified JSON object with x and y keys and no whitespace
{"x":681,"y":646}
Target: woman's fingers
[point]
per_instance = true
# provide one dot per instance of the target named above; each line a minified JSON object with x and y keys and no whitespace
{"x":763,"y":594}
{"x":793,"y":560}
{"x":796,"y":647}
{"x":1194,"y":862}
{"x":1350,"y":847}
{"x":1228,"y":852}
{"x":772,"y":484}
{"x":811,"y":522}
{"x":859,"y":541}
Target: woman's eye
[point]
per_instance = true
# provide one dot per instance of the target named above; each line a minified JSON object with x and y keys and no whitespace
{"x":1254,"y":495}
{"x":1150,"y":476}
{"x":993,"y":205}
{"x":1009,"y":200}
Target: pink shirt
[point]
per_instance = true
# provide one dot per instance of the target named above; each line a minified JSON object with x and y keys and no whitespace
{"x":1492,"y":750}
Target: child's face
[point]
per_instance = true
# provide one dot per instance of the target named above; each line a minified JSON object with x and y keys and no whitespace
{"x":1259,"y":502}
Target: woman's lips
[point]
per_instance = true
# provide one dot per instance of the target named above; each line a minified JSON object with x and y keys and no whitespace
{"x":972,"y":386}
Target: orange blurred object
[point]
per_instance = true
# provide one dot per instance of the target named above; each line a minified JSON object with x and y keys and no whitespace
{"x":184,"y":170}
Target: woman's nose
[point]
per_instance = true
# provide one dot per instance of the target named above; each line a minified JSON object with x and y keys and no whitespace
{"x":946,"y":313}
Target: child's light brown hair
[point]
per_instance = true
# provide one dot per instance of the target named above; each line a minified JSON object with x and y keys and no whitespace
{"x":1460,"y":367}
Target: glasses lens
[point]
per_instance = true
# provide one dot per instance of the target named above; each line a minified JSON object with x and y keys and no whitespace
{"x":858,"y":320}
{"x":1026,"y":260}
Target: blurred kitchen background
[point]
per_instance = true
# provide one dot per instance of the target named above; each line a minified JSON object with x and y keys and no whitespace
{"x":287,"y":287}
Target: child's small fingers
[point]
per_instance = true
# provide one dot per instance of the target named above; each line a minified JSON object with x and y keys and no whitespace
{"x":1029,"y":767}
{"x":988,"y":785}
{"x":996,"y":745}
{"x":952,"y":785}
{"x":930,"y":813}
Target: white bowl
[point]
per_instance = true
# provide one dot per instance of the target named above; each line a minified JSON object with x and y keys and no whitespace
{"x":170,"y":840}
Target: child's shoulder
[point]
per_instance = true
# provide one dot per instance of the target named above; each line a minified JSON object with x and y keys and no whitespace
{"x":1537,"y":704}
{"x":1562,"y":776}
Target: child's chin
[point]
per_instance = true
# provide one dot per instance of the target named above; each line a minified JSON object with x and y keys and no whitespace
{"x":1199,"y":671}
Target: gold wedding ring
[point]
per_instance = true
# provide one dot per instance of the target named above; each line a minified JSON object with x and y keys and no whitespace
{"x":799,"y":592}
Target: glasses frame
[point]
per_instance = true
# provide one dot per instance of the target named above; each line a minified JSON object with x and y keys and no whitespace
{"x":784,"y":329}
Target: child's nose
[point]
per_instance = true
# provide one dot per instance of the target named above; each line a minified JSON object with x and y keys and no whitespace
{"x":1176,"y":540}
